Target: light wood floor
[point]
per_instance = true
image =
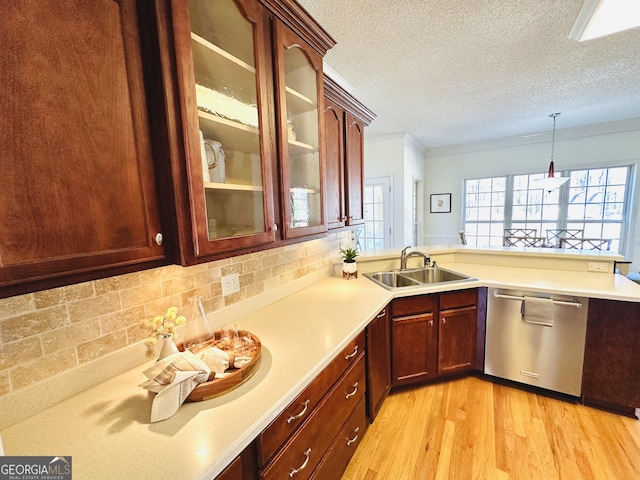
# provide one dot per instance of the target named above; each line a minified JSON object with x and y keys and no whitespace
{"x":474,"y":429}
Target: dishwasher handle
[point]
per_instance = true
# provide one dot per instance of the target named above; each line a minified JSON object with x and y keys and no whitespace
{"x":497,"y":294}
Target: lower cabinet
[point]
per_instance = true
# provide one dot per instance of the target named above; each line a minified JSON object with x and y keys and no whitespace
{"x":337,"y":458}
{"x":308,"y":435}
{"x":457,"y":320}
{"x":611,"y":373}
{"x":433,"y":335}
{"x":243,"y":467}
{"x":378,"y":362}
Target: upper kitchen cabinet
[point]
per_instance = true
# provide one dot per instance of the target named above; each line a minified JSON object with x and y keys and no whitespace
{"x":237,"y":187}
{"x":79,"y":197}
{"x":299,"y":88}
{"x":345,"y":119}
{"x":224,"y":68}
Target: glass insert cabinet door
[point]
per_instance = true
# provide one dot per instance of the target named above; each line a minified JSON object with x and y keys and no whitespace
{"x":228,"y":128}
{"x":299,"y":85}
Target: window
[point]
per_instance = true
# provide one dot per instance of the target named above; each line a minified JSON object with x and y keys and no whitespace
{"x":376,"y":234}
{"x":594,"y":201}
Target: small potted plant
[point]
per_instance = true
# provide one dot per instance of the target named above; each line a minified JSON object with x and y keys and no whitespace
{"x":349,"y":266}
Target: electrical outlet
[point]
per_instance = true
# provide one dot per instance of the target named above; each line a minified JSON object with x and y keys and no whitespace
{"x":597,"y":267}
{"x":230,"y":284}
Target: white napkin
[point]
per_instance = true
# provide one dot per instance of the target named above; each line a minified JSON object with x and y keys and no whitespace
{"x":173,"y":378}
{"x":218,"y":360}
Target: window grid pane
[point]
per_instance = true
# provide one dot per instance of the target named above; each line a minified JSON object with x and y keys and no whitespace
{"x":484,"y":209}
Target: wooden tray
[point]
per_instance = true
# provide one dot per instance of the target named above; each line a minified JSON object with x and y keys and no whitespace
{"x":233,"y":376}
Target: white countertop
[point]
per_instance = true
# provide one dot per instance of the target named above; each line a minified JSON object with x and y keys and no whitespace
{"x":106,"y":429}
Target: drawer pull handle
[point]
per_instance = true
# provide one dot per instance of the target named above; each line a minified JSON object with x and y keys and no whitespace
{"x":297,"y":416}
{"x":354,"y":439}
{"x":295,"y":471}
{"x":382,"y":313}
{"x":352,"y":354}
{"x":351,"y":394}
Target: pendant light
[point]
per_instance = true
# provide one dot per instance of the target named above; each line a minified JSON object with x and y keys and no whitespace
{"x":552,"y":181}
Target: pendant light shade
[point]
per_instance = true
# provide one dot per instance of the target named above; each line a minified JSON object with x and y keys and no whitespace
{"x":551,"y":182}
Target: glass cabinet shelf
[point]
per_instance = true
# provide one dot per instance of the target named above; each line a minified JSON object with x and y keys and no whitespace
{"x":237,"y":187}
{"x":223,"y":53}
{"x":237,"y":136}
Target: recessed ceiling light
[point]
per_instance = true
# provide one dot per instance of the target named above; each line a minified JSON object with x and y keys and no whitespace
{"x":598,"y":18}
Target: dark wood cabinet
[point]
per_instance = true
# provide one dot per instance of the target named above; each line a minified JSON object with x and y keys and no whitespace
{"x":378,"y":362}
{"x":242,"y":77}
{"x":299,"y":89}
{"x":414,"y":339}
{"x":244,"y":467}
{"x":79,"y":198}
{"x":345,"y":119}
{"x":611,"y":374}
{"x":301,"y":438}
{"x":457,"y":331}
{"x":434,"y":335}
{"x":334,"y":155}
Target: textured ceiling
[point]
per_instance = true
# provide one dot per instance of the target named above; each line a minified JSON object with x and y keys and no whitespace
{"x":458,"y":71}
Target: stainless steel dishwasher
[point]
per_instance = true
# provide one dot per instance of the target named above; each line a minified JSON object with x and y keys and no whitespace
{"x":548,"y":353}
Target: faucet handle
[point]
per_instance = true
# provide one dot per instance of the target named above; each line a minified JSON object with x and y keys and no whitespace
{"x":404,"y":250}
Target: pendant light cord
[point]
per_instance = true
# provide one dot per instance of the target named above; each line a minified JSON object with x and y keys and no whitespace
{"x":553,"y":135}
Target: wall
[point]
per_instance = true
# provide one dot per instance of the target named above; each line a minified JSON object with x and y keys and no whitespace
{"x":401,"y":158}
{"x":51,"y":332}
{"x":616,"y":143}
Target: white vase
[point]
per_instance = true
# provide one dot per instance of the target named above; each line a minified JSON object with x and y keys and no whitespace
{"x":168,"y":347}
{"x":349,"y":269}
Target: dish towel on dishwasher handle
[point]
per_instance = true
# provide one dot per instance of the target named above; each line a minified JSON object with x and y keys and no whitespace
{"x":538,"y":311}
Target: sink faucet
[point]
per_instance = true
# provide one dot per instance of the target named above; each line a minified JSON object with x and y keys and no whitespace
{"x":404,"y":256}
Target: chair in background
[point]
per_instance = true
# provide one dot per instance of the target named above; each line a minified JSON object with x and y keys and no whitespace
{"x":520,"y":232}
{"x":555,"y":235}
{"x":524,"y":241}
{"x":586,"y":243}
{"x":522,"y":237}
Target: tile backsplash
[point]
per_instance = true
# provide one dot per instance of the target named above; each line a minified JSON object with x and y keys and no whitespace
{"x":54,"y":331}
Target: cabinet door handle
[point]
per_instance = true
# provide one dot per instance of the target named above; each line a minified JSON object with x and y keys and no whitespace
{"x":299,"y":415}
{"x":352,"y":354}
{"x":354,"y":439}
{"x":431,"y":323}
{"x":295,"y":471}
{"x":158,"y":238}
{"x":352,"y":393}
{"x":444,"y":320}
{"x":382,"y":313}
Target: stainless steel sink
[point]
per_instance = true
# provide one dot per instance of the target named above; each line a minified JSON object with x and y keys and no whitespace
{"x":416,"y":277}
{"x":434,"y":275}
{"x":392,"y":279}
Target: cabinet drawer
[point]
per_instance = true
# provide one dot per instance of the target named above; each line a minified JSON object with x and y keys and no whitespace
{"x":460,"y":298}
{"x":337,"y":458}
{"x":310,"y":443}
{"x":274,"y":436}
{"x":414,"y":305}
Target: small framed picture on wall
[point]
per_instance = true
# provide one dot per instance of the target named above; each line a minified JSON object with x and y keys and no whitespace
{"x":440,"y":203}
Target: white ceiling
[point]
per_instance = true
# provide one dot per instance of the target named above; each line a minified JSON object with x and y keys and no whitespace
{"x":459,"y":71}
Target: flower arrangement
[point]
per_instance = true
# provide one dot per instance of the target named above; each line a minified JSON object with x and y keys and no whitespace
{"x":349,"y":255}
{"x":163,"y":326}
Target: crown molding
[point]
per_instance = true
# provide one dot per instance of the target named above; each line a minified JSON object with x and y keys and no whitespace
{"x":608,"y":128}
